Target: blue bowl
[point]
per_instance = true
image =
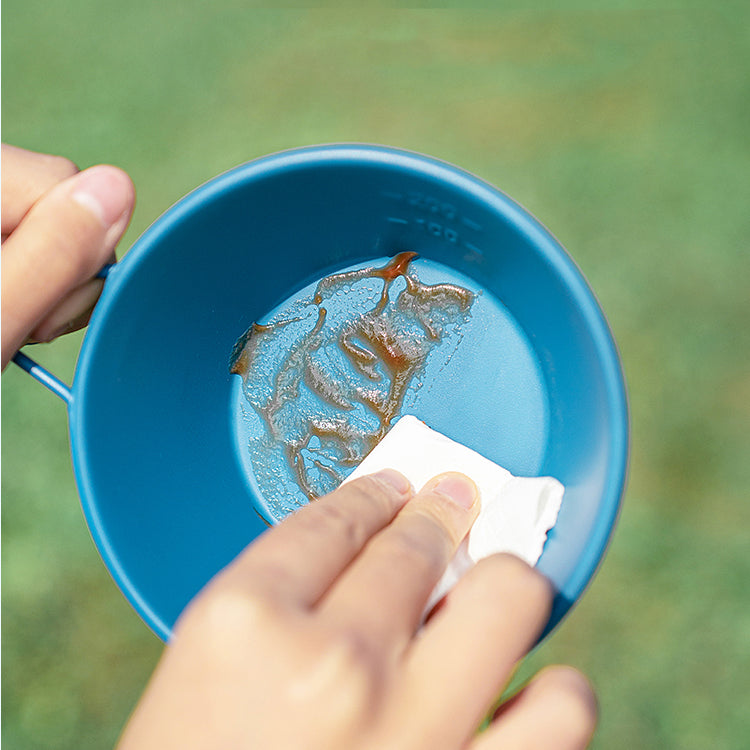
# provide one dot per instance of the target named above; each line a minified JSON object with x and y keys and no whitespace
{"x":160,"y":469}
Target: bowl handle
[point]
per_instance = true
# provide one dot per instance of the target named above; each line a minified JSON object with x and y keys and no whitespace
{"x":45,"y":377}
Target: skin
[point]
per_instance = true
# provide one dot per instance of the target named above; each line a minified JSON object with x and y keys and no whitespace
{"x":59,"y":227}
{"x":313,"y":637}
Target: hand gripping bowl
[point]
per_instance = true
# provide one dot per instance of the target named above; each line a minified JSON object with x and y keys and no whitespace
{"x":161,"y":472}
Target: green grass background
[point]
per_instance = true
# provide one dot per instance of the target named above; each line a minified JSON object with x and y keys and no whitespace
{"x":623,"y":126}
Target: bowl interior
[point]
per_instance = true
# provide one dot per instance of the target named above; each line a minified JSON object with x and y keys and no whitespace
{"x":160,"y":469}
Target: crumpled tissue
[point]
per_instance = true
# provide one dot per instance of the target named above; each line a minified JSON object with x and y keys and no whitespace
{"x":516,"y":512}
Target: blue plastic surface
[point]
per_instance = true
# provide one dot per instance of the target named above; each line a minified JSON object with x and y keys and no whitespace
{"x":153,"y":410}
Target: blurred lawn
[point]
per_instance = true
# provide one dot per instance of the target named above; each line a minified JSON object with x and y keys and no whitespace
{"x":624,"y":130}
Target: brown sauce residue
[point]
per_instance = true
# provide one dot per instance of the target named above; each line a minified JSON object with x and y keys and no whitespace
{"x":335,"y":391}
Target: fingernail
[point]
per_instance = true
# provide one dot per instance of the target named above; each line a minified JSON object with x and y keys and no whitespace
{"x":394,"y":479}
{"x":458,"y":488}
{"x":102,"y":190}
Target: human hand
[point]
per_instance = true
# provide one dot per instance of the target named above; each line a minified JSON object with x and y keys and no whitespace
{"x":311,"y":639}
{"x":59,"y":227}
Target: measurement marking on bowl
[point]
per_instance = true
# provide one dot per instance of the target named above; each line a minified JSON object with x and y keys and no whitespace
{"x":432,"y":205}
{"x":438,"y":230}
{"x":328,"y":375}
{"x":471,"y":224}
{"x":447,"y":213}
{"x":473,"y":248}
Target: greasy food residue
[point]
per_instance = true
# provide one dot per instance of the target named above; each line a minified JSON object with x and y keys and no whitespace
{"x":330,"y":374}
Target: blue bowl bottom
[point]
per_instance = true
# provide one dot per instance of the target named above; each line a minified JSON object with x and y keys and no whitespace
{"x":480,"y":384}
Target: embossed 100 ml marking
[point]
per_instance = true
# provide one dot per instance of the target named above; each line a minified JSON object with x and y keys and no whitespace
{"x":438,"y":230}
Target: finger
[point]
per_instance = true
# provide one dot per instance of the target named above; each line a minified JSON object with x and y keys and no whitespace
{"x":487,"y":624}
{"x":26,"y":177}
{"x":556,"y":709}
{"x":296,"y":562}
{"x":72,"y":313}
{"x":62,"y":242}
{"x":382,"y":595}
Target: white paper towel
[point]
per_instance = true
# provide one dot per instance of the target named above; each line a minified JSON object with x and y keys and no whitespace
{"x":516,"y":512}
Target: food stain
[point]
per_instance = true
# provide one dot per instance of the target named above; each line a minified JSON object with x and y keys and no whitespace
{"x":328,"y":380}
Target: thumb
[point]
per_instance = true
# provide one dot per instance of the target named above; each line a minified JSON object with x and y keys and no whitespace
{"x":64,"y":239}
